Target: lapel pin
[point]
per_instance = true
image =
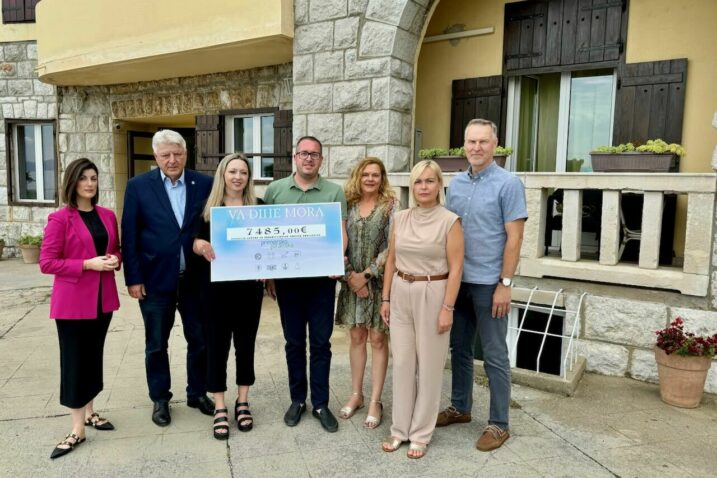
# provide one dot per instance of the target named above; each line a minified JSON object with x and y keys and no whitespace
{"x":192,"y":182}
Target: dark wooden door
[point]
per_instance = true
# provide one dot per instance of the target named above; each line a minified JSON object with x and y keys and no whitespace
{"x":283,"y":139}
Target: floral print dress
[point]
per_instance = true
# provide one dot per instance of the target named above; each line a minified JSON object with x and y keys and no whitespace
{"x":368,"y":248}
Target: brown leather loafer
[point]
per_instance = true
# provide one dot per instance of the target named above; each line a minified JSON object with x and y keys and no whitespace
{"x":493,"y":437}
{"x":450,"y":415}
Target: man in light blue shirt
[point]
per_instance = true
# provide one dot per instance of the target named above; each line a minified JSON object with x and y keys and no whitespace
{"x":491,"y":203}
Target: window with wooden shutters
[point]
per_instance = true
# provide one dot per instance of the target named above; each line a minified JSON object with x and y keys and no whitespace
{"x":474,"y":98}
{"x":18,"y":11}
{"x":650,"y":101}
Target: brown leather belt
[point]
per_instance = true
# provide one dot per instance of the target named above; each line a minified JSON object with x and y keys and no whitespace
{"x":412,"y":278}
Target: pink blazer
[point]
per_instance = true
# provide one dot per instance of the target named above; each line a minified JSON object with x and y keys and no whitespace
{"x":67,"y":243}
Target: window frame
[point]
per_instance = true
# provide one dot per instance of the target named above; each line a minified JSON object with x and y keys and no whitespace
{"x":25,"y":8}
{"x":257,"y":114}
{"x":12,"y":165}
{"x":513,"y":115}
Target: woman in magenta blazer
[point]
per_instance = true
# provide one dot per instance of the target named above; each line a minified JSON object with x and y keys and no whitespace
{"x":81,"y":248}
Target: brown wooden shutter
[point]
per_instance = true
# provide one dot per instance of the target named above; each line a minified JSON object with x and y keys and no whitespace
{"x":18,"y":11}
{"x":474,"y":98}
{"x":542,"y":34}
{"x":650,"y":101}
{"x":210,"y":142}
{"x":283,"y":139}
{"x":598,"y":30}
{"x":525,"y":34}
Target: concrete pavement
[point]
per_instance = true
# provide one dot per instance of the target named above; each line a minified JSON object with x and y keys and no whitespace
{"x":610,"y":427}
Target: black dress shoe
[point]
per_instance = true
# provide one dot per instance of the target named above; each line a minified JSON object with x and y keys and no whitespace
{"x":160,"y":414}
{"x":327,"y":419}
{"x":203,"y":403}
{"x":293,"y":414}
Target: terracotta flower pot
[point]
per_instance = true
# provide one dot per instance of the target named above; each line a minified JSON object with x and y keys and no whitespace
{"x":30,"y":254}
{"x":682,"y":379}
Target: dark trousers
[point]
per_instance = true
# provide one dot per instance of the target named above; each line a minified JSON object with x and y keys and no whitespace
{"x":158,"y":311}
{"x":82,"y":344}
{"x":307,"y":302}
{"x":233,"y":310}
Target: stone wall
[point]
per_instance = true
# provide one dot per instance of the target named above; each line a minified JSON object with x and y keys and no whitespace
{"x":22,"y":96}
{"x":617,"y":335}
{"x":353,"y":78}
{"x":267,"y":87}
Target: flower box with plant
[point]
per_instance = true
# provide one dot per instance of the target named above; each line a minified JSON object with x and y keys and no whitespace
{"x":683,"y":360}
{"x":454,"y":159}
{"x":654,"y":156}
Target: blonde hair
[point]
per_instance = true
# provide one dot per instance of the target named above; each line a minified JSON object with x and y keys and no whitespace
{"x":352,"y":188}
{"x":216,"y":195}
{"x":417,"y":170}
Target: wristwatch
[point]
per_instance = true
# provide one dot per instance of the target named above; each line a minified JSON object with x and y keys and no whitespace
{"x":367,"y":275}
{"x":506,"y":281}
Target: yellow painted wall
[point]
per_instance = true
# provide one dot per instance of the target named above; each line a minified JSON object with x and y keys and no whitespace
{"x":10,"y":32}
{"x":440,"y":63}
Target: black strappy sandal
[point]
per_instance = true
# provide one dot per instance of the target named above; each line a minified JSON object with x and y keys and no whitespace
{"x":245,"y":422}
{"x":98,"y":422}
{"x":221,"y":424}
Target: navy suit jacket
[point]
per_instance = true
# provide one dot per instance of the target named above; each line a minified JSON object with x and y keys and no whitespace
{"x":151,"y":237}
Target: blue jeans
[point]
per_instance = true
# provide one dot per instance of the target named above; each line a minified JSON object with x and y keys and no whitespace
{"x":158,"y":311}
{"x":474,"y":313}
{"x":307,"y":302}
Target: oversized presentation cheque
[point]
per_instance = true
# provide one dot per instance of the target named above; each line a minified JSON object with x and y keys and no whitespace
{"x":277,"y":241}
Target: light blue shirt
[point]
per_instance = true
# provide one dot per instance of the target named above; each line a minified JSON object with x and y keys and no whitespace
{"x":486,"y":202}
{"x":177,"y":194}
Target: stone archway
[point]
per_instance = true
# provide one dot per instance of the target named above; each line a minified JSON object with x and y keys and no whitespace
{"x":354,"y":66}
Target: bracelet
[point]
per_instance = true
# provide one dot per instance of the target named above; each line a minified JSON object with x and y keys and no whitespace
{"x":385,"y":300}
{"x":450,"y":308}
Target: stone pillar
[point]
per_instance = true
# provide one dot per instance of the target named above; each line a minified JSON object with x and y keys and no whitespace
{"x":353,"y":78}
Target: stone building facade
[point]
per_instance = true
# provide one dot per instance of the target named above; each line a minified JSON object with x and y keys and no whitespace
{"x":351,"y":84}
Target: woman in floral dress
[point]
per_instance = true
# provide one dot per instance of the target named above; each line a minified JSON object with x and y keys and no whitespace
{"x":372,"y":204}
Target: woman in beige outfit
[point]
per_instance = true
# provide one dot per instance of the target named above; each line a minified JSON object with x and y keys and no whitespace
{"x":421,"y":280}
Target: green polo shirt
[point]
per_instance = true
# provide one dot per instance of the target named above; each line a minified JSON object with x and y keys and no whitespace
{"x":285,"y":191}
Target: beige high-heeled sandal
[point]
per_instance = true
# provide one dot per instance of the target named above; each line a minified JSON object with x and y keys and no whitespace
{"x":372,"y":422}
{"x":392,"y":444}
{"x":417,"y":447}
{"x":348,"y":412}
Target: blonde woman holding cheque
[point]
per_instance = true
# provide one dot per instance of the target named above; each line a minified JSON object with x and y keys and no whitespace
{"x":421,"y":281}
{"x":232,"y":308}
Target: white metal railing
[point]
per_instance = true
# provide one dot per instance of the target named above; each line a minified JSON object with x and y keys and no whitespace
{"x":692,"y":278}
{"x":569,"y":355}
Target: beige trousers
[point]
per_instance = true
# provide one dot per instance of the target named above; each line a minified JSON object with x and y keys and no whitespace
{"x":419,"y":354}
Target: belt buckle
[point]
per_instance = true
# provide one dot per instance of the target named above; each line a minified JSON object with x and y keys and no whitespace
{"x":409,"y":277}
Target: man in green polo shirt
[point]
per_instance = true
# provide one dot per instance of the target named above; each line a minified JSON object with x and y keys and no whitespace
{"x":307,"y":301}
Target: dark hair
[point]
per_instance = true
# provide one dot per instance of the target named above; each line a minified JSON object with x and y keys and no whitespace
{"x":72,"y":176}
{"x":310,"y":138}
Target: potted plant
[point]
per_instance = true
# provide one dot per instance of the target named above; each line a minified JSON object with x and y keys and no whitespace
{"x":683,"y":360}
{"x":454,"y":159}
{"x":30,"y":248}
{"x":2,"y":246}
{"x":653,"y":156}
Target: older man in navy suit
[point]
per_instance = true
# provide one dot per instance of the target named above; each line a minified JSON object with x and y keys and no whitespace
{"x":160,"y":208}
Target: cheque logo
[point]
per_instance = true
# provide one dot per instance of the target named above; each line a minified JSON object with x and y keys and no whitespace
{"x":257,"y":256}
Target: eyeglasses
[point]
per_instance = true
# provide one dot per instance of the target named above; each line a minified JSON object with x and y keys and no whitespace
{"x":307,"y":154}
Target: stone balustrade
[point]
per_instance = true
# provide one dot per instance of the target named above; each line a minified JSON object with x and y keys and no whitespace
{"x":692,"y":278}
